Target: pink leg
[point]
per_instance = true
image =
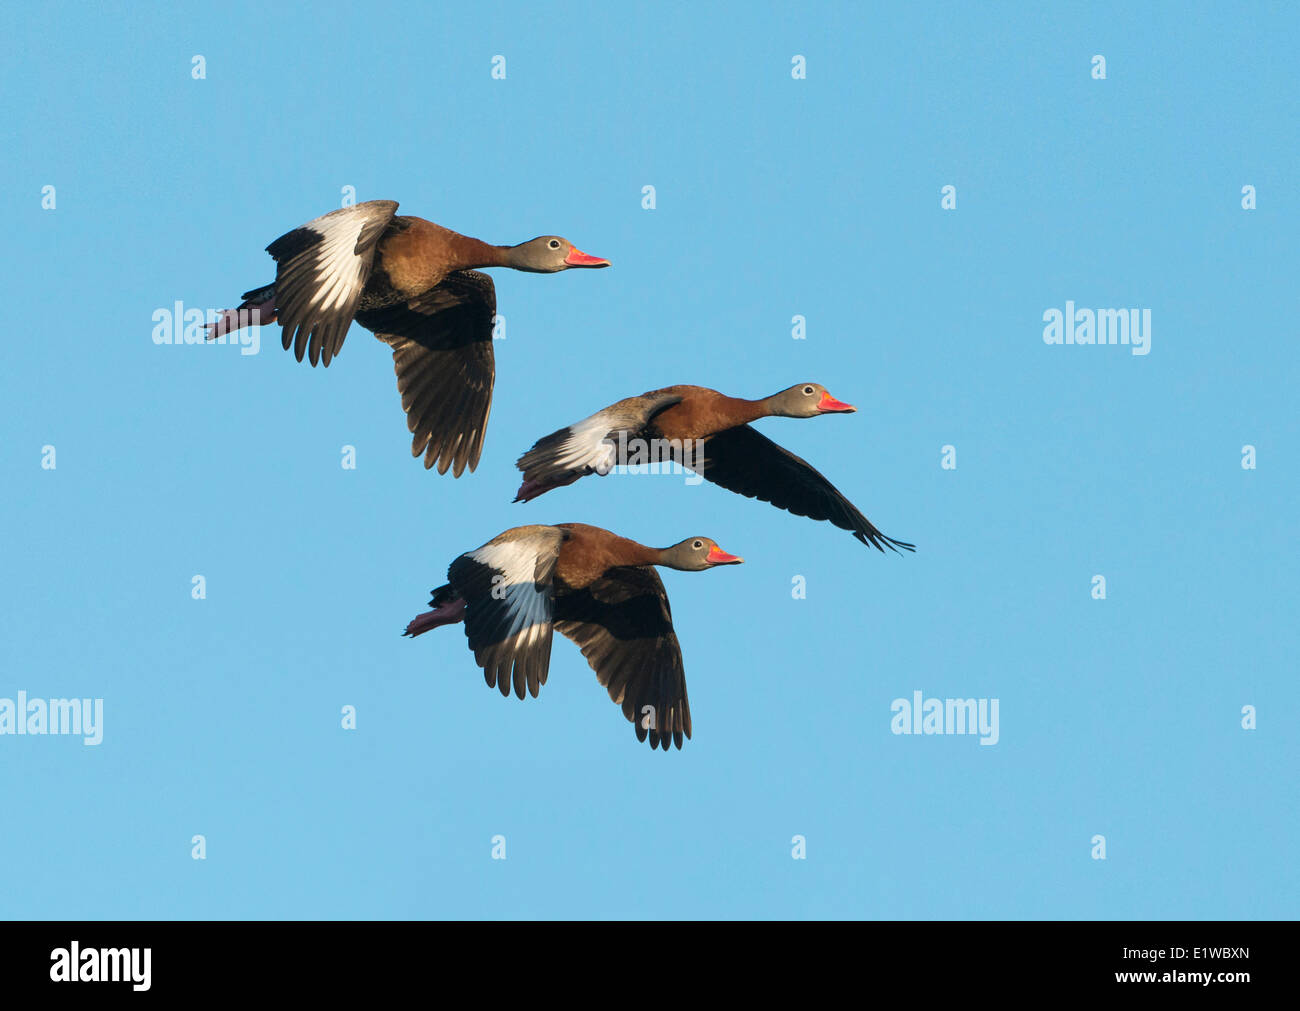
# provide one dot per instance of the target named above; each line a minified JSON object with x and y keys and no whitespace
{"x":248,"y":314}
{"x":448,"y":614}
{"x":531,"y":489}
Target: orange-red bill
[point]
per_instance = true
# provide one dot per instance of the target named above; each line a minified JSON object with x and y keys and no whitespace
{"x":717,"y":556}
{"x":577,"y":258}
{"x":829,"y":405}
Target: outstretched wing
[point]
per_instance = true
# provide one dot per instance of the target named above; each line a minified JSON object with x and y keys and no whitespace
{"x":590,"y":446}
{"x":508,"y":592}
{"x":442,"y":354}
{"x":321,"y":270}
{"x":624,"y":627}
{"x":742,"y":460}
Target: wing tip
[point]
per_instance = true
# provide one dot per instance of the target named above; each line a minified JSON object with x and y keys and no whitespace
{"x":875,"y":539}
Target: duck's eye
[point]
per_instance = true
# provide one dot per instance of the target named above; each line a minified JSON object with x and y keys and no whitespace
{"x":807,"y":391}
{"x":554,"y":243}
{"x":697,"y":545}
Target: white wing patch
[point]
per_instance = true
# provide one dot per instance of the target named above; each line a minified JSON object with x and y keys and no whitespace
{"x":596,"y":444}
{"x":322,"y":269}
{"x":589,"y":445}
{"x":515,"y":565}
{"x":338,"y":270}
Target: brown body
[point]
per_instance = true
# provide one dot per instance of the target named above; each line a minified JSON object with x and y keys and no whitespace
{"x":702,"y":412}
{"x":590,"y":552}
{"x":416,"y":255}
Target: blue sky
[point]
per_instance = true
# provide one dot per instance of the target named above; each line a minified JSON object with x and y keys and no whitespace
{"x":775,"y":197}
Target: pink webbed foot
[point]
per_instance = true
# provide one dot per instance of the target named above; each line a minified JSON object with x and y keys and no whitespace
{"x":248,"y":314}
{"x":447,"y":614}
{"x":531,"y":489}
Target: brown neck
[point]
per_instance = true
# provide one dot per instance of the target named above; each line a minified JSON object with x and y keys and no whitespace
{"x":472,"y":253}
{"x":609,"y":550}
{"x":639,"y":554}
{"x":746,"y":411}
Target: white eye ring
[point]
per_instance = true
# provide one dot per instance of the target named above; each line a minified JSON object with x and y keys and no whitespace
{"x":698,"y":544}
{"x":807,"y":391}
{"x":554,"y":243}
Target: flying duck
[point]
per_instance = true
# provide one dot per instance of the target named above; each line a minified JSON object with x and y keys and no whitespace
{"x":596,"y":588}
{"x":414,"y":285}
{"x":710,"y":434}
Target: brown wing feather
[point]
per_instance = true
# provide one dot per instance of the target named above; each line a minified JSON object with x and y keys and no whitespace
{"x":742,"y":460}
{"x":321,"y":270}
{"x":623,"y":625}
{"x":442,"y":354}
{"x":508,"y":586}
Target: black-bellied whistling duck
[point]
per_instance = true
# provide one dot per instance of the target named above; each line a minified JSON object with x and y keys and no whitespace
{"x":597,"y":588}
{"x":710,"y":434}
{"x":413,"y":284}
